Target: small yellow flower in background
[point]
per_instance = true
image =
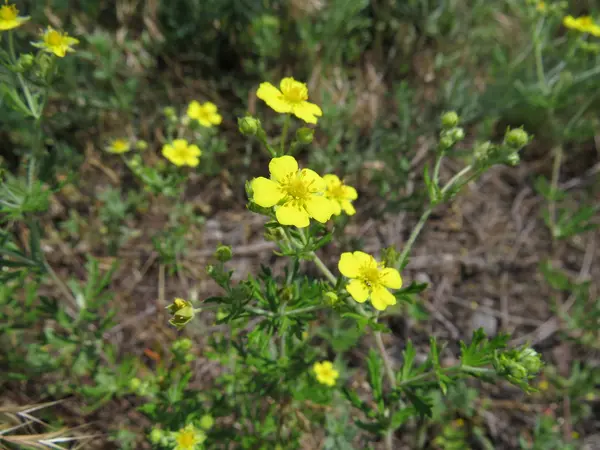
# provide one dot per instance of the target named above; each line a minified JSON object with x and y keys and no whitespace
{"x":188,"y":438}
{"x":584,"y":24}
{"x":541,"y":7}
{"x":206,"y":114}
{"x":299,"y":193}
{"x":180,"y":153}
{"x":543,"y":385}
{"x":118,"y":146}
{"x":292,"y":98}
{"x":325,"y":373}
{"x":459,"y":423}
{"x":369,"y":279}
{"x":54,"y":41}
{"x":9,"y":17}
{"x":340,"y":194}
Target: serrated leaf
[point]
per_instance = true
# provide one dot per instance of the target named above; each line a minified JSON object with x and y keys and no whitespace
{"x":374,"y":367}
{"x":423,"y":405}
{"x":408,"y":354}
{"x":400,"y":417}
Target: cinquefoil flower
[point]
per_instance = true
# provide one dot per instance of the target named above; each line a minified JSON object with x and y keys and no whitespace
{"x":188,"y":438}
{"x":206,"y":114}
{"x":325,"y":373}
{"x":298,"y":194}
{"x":118,"y":146}
{"x":180,"y":153}
{"x":584,"y":24}
{"x":340,"y":194}
{"x":54,"y":41}
{"x":369,"y":279}
{"x":9,"y":17}
{"x":292,"y":98}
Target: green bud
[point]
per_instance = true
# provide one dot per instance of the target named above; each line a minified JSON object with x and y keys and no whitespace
{"x":141,"y":145}
{"x":446,"y":142}
{"x":169,"y":112}
{"x":457,"y":134}
{"x":210,"y":269}
{"x":449,"y":120}
{"x":206,"y":422}
{"x":189,"y":357}
{"x":156,"y":435}
{"x":531,"y":361}
{"x":248,"y":125}
{"x":182,"y":345}
{"x":24,"y":62}
{"x":134,"y":384}
{"x":517,"y":138}
{"x":182,"y":312}
{"x":481,"y":152}
{"x":516,"y":370}
{"x":305,"y":135}
{"x":513,"y":159}
{"x":331,"y":298}
{"x":223,"y":253}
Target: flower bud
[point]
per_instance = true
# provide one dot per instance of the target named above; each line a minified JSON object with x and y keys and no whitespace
{"x":156,"y":435}
{"x":517,"y":138}
{"x":481,"y":152}
{"x":331,"y":298}
{"x":24,"y":62}
{"x":531,"y":361}
{"x":449,"y":120}
{"x":248,"y":125}
{"x":182,"y":312}
{"x":223,"y":253}
{"x":206,"y":422}
{"x":182,"y":345}
{"x":305,"y":135}
{"x":189,"y":357}
{"x":169,"y":112}
{"x":457,"y":134}
{"x":446,"y":142}
{"x":513,"y":159}
{"x":134,"y":384}
{"x":141,"y":145}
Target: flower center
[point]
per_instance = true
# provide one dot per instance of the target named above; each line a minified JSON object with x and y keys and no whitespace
{"x":187,"y":439}
{"x":370,"y":276}
{"x":54,"y":38}
{"x":120,"y":145}
{"x":8,"y":12}
{"x":296,"y":187}
{"x":296,"y":93}
{"x":336,"y":192}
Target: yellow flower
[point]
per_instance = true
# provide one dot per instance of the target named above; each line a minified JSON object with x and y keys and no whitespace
{"x":541,"y":7}
{"x":188,"y":438}
{"x":543,"y":385}
{"x":369,"y":279}
{"x":325,"y":373}
{"x":54,"y":41}
{"x":340,"y":194}
{"x":292,"y":98}
{"x":118,"y":146}
{"x":584,"y":24}
{"x":9,"y":17}
{"x":298,"y":193}
{"x":180,"y":153}
{"x":206,"y":114}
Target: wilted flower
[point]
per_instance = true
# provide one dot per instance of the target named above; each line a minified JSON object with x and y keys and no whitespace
{"x":369,"y":279}
{"x":182,"y":312}
{"x":54,"y":41}
{"x":325,"y":373}
{"x":206,"y":114}
{"x":298,"y":193}
{"x":9,"y":17}
{"x":292,"y":98}
{"x":181,"y":153}
{"x":340,"y":194}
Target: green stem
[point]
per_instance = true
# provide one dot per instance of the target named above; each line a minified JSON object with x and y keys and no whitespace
{"x":389,"y":371}
{"x":284,"y":133}
{"x":436,"y":169}
{"x":539,"y":64}
{"x":30,"y":103}
{"x":558,"y":155}
{"x":323,"y":268}
{"x":304,"y":310}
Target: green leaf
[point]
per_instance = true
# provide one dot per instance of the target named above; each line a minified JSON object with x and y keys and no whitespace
{"x":558,"y":280}
{"x":409,"y":354}
{"x":374,"y":367}
{"x":400,"y":417}
{"x":423,"y":405}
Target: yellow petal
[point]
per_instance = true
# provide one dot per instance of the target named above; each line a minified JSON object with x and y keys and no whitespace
{"x":192,"y":161}
{"x":381,"y":298}
{"x":390,"y":278}
{"x":307,"y":111}
{"x":193,"y":110}
{"x":319,"y":208}
{"x":215,"y":119}
{"x":350,"y":193}
{"x":273,"y":97}
{"x":358,"y":290}
{"x":210,"y":107}
{"x":266,"y":192}
{"x":291,"y":214}
{"x":282,"y":167}
{"x":348,"y":265}
{"x":348,"y":208}
{"x":194,"y":150}
{"x":365,"y":260}
{"x":337,"y":207}
{"x":180,"y":144}
{"x":317,"y":184}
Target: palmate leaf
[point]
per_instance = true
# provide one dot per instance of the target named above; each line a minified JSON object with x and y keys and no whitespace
{"x":480,"y":351}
